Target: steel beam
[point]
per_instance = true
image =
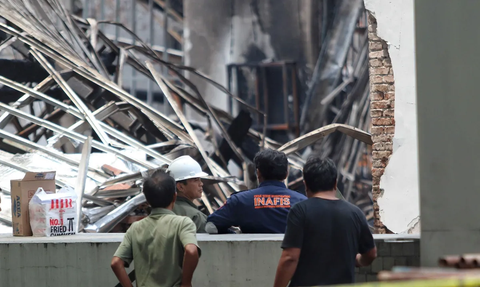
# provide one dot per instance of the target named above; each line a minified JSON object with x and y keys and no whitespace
{"x":51,"y":152}
{"x":82,"y":178}
{"x":73,"y":135}
{"x":72,"y":95}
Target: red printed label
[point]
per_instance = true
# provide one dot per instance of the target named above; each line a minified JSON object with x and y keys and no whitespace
{"x":271,"y":201}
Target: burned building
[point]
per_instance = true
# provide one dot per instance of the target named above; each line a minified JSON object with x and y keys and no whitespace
{"x":83,"y":104}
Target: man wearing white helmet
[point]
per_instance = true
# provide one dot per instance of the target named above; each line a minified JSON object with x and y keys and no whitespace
{"x":187,"y":172}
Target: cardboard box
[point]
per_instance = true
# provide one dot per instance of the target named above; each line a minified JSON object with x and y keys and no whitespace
{"x":22,"y":190}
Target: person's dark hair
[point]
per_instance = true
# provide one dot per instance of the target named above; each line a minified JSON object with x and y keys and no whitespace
{"x":272,"y":164}
{"x":159,"y":189}
{"x":320,"y":174}
{"x":184,"y":182}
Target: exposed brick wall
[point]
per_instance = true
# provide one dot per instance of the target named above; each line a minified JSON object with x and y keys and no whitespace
{"x":382,"y":96}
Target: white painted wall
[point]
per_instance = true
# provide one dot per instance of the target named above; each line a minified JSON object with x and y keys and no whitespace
{"x":399,"y":204}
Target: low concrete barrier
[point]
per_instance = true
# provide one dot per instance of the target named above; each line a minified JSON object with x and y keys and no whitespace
{"x":227,"y":260}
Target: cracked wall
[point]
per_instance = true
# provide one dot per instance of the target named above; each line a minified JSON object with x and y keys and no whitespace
{"x":393,"y":111}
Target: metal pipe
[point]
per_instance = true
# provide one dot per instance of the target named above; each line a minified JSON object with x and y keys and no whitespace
{"x":92,"y":215}
{"x":162,"y":82}
{"x":6,"y":192}
{"x":117,"y":18}
{"x":9,"y":136}
{"x":175,"y":55}
{"x":133,"y":19}
{"x":110,"y":130}
{"x":82,"y":178}
{"x":331,"y":96}
{"x":35,"y":43}
{"x":166,"y":39}
{"x":25,"y":100}
{"x":166,"y":44}
{"x":104,"y":112}
{"x":151,"y":40}
{"x":73,"y":135}
{"x":265,"y":108}
{"x":118,"y":193}
{"x":97,"y":201}
{"x":295,"y":100}
{"x":38,"y":95}
{"x":72,"y":95}
{"x":257,"y":93}
{"x":7,"y":43}
{"x":109,"y":221}
{"x":185,"y":123}
{"x":285,"y":95}
{"x":95,"y":77}
{"x":164,"y":144}
{"x":22,"y":169}
{"x":100,"y":114}
{"x":229,"y":87}
{"x":5,"y":219}
{"x":129,"y":177}
{"x":329,"y":64}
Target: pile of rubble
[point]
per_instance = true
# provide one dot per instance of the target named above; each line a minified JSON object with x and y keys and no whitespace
{"x":80,"y":104}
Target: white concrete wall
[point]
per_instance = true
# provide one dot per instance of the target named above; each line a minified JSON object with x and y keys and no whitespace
{"x":399,"y":204}
{"x":227,"y":260}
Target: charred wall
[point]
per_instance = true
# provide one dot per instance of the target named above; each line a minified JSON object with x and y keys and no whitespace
{"x":218,"y":33}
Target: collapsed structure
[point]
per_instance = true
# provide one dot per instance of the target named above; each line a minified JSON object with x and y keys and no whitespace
{"x":75,"y":98}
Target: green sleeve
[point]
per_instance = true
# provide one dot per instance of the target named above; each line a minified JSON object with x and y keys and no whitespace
{"x":188,"y":233}
{"x":125,"y":250}
{"x":200,"y":221}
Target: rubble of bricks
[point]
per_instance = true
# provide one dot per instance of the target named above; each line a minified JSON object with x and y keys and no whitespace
{"x":382,"y":96}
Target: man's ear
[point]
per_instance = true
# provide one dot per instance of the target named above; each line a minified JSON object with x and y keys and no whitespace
{"x":335,"y":186}
{"x":174,"y":197}
{"x":259,"y":174}
{"x":306,"y":188}
{"x":308,"y":193}
{"x":179,"y":187}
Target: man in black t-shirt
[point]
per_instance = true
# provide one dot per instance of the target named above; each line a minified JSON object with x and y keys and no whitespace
{"x":325,"y":237}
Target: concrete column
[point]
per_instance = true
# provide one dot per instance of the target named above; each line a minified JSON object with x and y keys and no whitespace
{"x":448,"y":67}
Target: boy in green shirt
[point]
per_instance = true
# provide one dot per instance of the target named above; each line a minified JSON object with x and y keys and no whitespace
{"x":163,"y":245}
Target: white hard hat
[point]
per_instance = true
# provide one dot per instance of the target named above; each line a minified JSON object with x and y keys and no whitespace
{"x":185,"y":167}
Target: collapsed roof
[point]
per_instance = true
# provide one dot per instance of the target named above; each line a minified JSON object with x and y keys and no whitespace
{"x":74,"y":98}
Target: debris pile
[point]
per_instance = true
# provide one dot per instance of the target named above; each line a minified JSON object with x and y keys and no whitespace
{"x":76,"y":102}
